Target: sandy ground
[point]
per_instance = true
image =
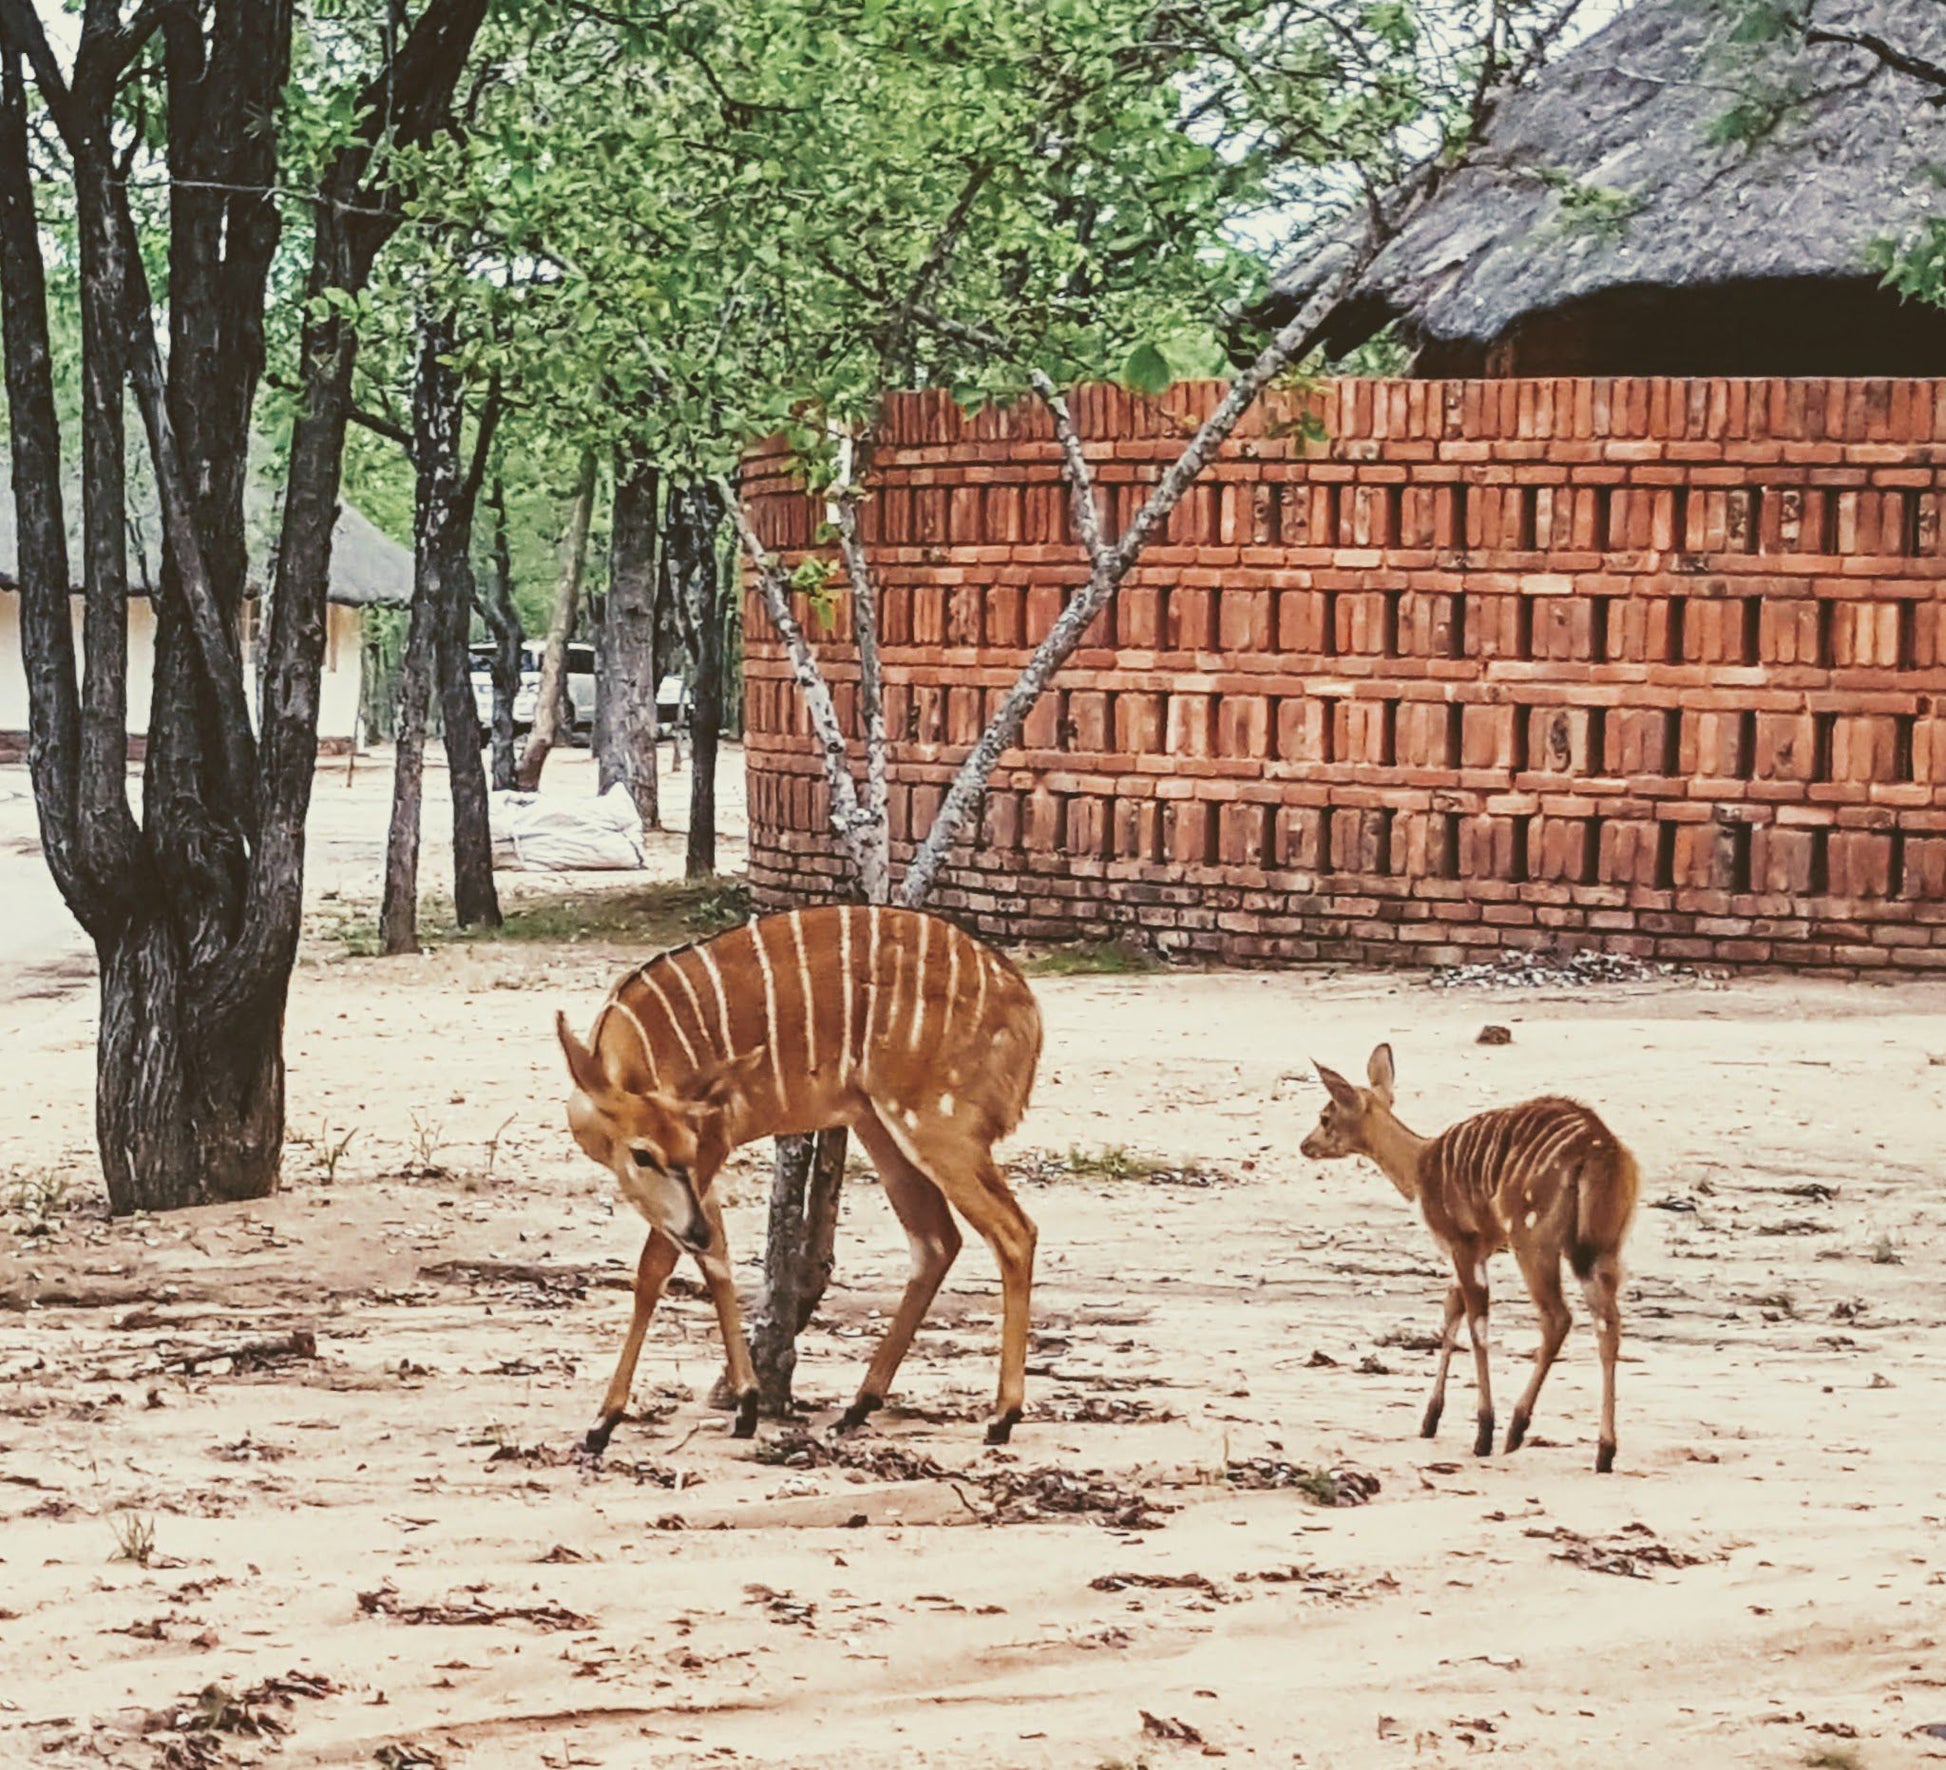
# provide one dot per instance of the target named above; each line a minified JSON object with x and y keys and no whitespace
{"x":399,"y":1519}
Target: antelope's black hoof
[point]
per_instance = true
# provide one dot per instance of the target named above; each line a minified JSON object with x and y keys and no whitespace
{"x":1483,"y":1444}
{"x":1429,"y":1426}
{"x":598,"y":1436}
{"x":1516,"y":1433}
{"x":859,"y":1412}
{"x":1605,"y":1460}
{"x":746,"y":1421}
{"x":1001,"y":1427}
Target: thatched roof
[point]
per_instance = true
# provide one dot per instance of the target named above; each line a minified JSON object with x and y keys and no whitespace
{"x":368,"y":568}
{"x":1601,"y":176}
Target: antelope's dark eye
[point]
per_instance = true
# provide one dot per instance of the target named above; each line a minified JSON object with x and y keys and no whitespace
{"x":642,"y":1158}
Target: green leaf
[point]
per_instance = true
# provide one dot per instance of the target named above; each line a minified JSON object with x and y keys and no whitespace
{"x":1147,"y":370}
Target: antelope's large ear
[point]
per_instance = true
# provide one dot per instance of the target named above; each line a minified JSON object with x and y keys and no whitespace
{"x":718,"y":1088}
{"x":1341,"y":1090}
{"x":582,"y":1066}
{"x":1380,"y":1072}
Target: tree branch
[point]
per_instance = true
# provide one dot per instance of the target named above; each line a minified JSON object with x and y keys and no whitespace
{"x":1293,"y":342}
{"x":848,"y":819}
{"x":1080,"y":477}
{"x":1932,"y":72}
{"x":877,"y":877}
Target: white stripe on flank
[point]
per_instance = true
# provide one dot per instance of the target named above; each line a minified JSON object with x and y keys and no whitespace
{"x":845,"y":984}
{"x":919,"y":984}
{"x":669,"y":1014}
{"x":953,"y":938}
{"x":804,"y":989}
{"x":980,"y":1000}
{"x":722,"y":1001}
{"x":770,"y":1006}
{"x":871,"y":998}
{"x":648,"y":1051}
{"x":695,"y":1001}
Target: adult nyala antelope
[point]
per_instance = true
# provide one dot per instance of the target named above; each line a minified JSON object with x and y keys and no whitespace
{"x":1546,"y":1178}
{"x":890,"y":1022}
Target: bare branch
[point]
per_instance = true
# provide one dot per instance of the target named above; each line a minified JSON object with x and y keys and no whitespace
{"x":1295,"y":341}
{"x":1080,"y":476}
{"x":848,"y":818}
{"x":1901,"y":60}
{"x":877,"y":877}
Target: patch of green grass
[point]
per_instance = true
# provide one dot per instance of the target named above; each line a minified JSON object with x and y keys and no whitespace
{"x":40,"y":1196}
{"x":664,"y":914}
{"x":1092,"y":958}
{"x":1112,"y":1161}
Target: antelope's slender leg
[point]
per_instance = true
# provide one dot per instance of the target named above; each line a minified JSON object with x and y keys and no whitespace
{"x":1470,"y":1265}
{"x":721,"y":1280}
{"x":1448,"y":1339}
{"x":935,"y":1242}
{"x":651,"y":1274}
{"x":1541,"y":1267}
{"x":1602,"y":1287}
{"x":986,"y":1202}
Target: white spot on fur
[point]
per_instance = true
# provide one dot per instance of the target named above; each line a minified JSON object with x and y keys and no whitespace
{"x":1533,"y":1217}
{"x":911,"y":1119}
{"x":946,"y":1105}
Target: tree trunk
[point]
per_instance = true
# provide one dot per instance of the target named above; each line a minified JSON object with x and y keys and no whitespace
{"x":503,"y":622}
{"x":183,"y":1117}
{"x":625,"y":717}
{"x":804,"y":1192}
{"x":398,"y":916}
{"x":451,"y":495}
{"x":698,"y":580}
{"x":550,"y":701}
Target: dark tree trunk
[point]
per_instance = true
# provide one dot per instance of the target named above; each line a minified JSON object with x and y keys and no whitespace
{"x":452,"y":491}
{"x":696,"y":514}
{"x":435,"y":651}
{"x":503,"y":623}
{"x":804,"y":1196}
{"x":195,"y":911}
{"x":185,"y":1115}
{"x":625,"y":728}
{"x":550,"y":703}
{"x":398,"y":916}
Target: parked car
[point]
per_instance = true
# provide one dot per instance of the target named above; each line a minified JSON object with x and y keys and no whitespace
{"x":581,"y":690}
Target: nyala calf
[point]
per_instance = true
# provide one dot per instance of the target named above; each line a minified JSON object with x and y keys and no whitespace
{"x":1546,"y":1178}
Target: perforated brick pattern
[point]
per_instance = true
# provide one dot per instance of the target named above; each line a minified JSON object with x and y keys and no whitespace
{"x":1651,"y":665}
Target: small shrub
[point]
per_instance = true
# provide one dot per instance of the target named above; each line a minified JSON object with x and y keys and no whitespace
{"x":134,"y":1537}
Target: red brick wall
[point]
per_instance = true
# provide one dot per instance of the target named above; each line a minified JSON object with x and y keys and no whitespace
{"x":1650,"y":665}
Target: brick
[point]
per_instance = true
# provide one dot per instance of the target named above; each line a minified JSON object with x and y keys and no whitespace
{"x":1505,"y":662}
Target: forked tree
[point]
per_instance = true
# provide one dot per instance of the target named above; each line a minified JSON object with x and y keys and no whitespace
{"x":941,"y":318}
{"x":194,"y":905}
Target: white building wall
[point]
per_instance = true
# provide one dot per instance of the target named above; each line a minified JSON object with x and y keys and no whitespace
{"x":337,"y":695}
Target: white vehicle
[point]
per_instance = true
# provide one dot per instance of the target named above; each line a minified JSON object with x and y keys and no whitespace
{"x":581,"y":690}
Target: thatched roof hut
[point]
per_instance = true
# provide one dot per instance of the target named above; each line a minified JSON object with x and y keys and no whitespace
{"x":368,"y":568}
{"x":1610,"y":224}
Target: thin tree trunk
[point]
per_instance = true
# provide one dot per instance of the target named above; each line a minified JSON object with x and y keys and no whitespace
{"x":804,"y":1192}
{"x":476,"y":902}
{"x":503,"y":623}
{"x":701,"y":605}
{"x":398,"y":916}
{"x":550,"y":701}
{"x":625,"y":724}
